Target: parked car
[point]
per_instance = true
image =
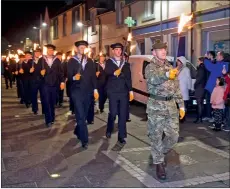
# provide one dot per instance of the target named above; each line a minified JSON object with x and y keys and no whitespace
{"x":138,"y":64}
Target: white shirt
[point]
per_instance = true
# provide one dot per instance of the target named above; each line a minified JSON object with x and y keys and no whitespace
{"x":50,"y":61}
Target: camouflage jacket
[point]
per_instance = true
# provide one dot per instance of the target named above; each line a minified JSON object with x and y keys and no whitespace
{"x":158,"y":83}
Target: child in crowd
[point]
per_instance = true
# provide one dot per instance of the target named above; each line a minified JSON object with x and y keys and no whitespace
{"x":217,"y":102}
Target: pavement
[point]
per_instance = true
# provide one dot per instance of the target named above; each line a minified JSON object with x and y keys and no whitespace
{"x":36,"y":156}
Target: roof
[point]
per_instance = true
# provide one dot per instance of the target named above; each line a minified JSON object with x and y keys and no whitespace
{"x":66,"y":8}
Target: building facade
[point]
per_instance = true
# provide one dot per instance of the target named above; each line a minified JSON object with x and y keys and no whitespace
{"x":154,"y":20}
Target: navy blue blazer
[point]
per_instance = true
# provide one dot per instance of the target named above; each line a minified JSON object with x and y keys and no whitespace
{"x":54,"y":74}
{"x":87,"y":82}
{"x":120,"y":84}
{"x":102,"y":78}
{"x":36,"y":75}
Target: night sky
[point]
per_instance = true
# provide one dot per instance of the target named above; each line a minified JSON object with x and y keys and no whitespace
{"x":19,"y":17}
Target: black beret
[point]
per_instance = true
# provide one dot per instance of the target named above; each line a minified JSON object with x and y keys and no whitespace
{"x":21,"y":56}
{"x":50,"y":46}
{"x":38,"y":50}
{"x":116,"y":45}
{"x":82,"y":42}
{"x":28,"y":52}
{"x":59,"y":53}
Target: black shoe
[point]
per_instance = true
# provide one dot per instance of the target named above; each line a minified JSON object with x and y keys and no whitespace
{"x":72,"y":112}
{"x":90,"y":122}
{"x":197,"y":121}
{"x":160,"y":171}
{"x":27,"y":105}
{"x":60,"y":105}
{"x":7,"y":87}
{"x":226,"y":129}
{"x":48,"y":125}
{"x":213,"y":126}
{"x":122,"y":141}
{"x":85,"y":146}
{"x":108,"y":135}
{"x":101,"y":111}
{"x":128,"y":120}
{"x":52,"y":122}
{"x":217,"y":127}
{"x":35,"y":113}
{"x":21,"y":102}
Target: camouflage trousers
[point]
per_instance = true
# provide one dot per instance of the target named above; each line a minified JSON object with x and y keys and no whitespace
{"x":162,"y":118}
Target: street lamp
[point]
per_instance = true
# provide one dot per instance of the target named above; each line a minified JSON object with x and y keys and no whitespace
{"x":44,"y":24}
{"x":80,"y":24}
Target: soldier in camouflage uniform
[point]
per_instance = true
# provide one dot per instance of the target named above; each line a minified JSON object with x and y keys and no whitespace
{"x":162,"y":111}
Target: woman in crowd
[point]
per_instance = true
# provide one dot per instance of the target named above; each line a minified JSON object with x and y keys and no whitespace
{"x":199,"y":88}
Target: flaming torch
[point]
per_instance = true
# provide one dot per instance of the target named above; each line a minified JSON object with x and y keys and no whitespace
{"x":44,"y":53}
{"x":129,"y":39}
{"x":63,"y":57}
{"x":184,"y":21}
{"x":16,"y":58}
{"x":35,"y":46}
{"x":20,"y":52}
{"x":86,"y":50}
{"x":73,"y":53}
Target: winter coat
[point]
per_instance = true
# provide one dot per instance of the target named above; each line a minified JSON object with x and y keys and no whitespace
{"x":185,"y":82}
{"x":201,"y":79}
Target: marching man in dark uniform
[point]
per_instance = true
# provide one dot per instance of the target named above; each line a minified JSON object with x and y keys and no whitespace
{"x":25,"y":78}
{"x":119,"y":86}
{"x":60,"y":93}
{"x":68,"y":87}
{"x":82,"y":78}
{"x":52,"y":74}
{"x":7,"y":72}
{"x":18,"y":77}
{"x":101,"y":81}
{"x":35,"y":79}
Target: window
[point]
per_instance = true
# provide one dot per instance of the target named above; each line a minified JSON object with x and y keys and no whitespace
{"x":142,"y":48}
{"x":55,"y":28}
{"x":64,"y":24}
{"x":119,"y":12}
{"x":149,"y":10}
{"x":92,"y":18}
{"x":75,"y":20}
{"x":107,"y":48}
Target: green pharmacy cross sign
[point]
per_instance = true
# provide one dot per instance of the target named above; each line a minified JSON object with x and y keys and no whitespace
{"x":130,"y":22}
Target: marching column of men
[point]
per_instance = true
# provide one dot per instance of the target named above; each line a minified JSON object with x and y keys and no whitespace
{"x":86,"y":82}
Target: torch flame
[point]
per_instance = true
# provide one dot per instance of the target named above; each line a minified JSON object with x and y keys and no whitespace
{"x":132,"y":47}
{"x":16,"y":58}
{"x":86,"y":50}
{"x":63,"y":56}
{"x":44,"y":52}
{"x":73,"y":53}
{"x":129,"y":37}
{"x":20,"y":51}
{"x":183,"y":21}
{"x":100,"y":54}
{"x":7,"y":59}
{"x":35,"y":46}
